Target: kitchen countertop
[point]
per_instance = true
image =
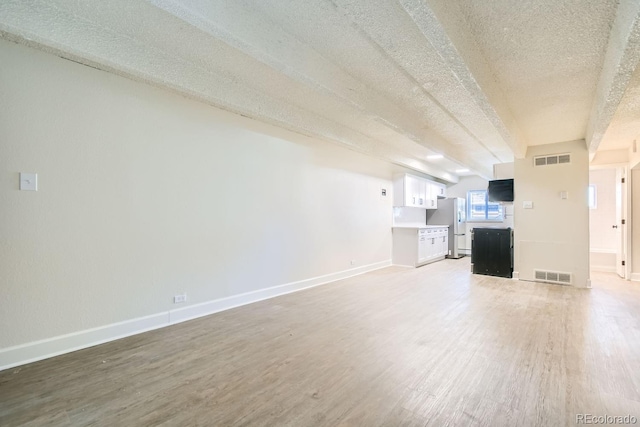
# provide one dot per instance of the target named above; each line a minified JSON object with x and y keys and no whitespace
{"x":417,"y":226}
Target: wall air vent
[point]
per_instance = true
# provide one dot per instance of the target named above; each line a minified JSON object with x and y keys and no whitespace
{"x":554,"y":159}
{"x":552,"y":277}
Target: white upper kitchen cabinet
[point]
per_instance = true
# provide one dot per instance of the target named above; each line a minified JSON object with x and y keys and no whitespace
{"x":407,"y":191}
{"x":413,"y":191}
{"x":432,"y":195}
{"x":441,"y":190}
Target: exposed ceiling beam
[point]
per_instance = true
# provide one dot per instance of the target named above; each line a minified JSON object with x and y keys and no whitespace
{"x":238,"y":25}
{"x":399,"y":80}
{"x":77,"y":32}
{"x":621,"y":59}
{"x":390,"y":33}
{"x":444,"y":27}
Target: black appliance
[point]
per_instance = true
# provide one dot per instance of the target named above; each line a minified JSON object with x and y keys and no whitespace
{"x":492,"y":251}
{"x":500,"y":190}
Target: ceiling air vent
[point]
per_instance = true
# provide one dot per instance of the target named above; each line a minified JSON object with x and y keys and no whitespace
{"x":554,"y":159}
{"x":552,"y":277}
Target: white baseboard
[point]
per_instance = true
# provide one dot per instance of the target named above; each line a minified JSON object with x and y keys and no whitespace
{"x":635,"y":277}
{"x":211,"y":307}
{"x":38,"y":350}
{"x":50,"y":347}
{"x":515,"y":275}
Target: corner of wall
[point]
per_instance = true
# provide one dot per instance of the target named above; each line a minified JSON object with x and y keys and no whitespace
{"x":55,"y":346}
{"x":553,"y":235}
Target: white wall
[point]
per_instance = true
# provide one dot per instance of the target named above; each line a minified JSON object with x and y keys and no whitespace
{"x":609,"y":157}
{"x":554,"y":235}
{"x":144,"y":194}
{"x":469,"y":183}
{"x":635,"y":224}
{"x":603,"y":236}
{"x":603,"y":217}
{"x":503,"y":170}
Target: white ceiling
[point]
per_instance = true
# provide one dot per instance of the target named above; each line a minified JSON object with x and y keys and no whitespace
{"x":625,"y":126}
{"x":476,"y":81}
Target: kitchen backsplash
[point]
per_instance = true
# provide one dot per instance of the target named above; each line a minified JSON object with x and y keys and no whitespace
{"x":407,"y":216}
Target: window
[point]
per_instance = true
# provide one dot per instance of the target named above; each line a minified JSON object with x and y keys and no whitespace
{"x":481,"y":209}
{"x":592,"y":197}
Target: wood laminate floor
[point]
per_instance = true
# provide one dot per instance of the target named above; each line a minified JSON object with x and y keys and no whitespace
{"x":433,"y":346}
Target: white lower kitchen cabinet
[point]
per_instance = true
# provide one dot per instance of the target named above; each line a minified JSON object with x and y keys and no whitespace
{"x":416,"y":246}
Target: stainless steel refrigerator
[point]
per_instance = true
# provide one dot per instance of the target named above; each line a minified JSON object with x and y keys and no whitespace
{"x":451,"y":212}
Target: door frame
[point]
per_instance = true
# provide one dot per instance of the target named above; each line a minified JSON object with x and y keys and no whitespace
{"x":626,"y":206}
{"x":625,"y":246}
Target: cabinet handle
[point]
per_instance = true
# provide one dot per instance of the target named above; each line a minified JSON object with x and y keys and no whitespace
{"x":414,"y":200}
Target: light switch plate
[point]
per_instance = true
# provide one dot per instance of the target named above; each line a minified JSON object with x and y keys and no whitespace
{"x":564,"y":195}
{"x":28,"y":181}
{"x":528,"y":204}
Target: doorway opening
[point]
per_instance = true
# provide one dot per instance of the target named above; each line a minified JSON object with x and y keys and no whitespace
{"x":609,"y":219}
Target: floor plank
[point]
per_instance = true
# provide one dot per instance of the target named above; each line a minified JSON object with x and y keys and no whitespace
{"x":433,"y":346}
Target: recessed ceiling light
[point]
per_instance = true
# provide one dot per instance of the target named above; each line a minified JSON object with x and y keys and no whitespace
{"x":462,"y":170}
{"x":435,"y":157}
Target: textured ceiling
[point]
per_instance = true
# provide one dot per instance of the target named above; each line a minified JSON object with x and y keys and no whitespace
{"x":547,"y":57}
{"x":475,"y":81}
{"x":625,"y":125}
